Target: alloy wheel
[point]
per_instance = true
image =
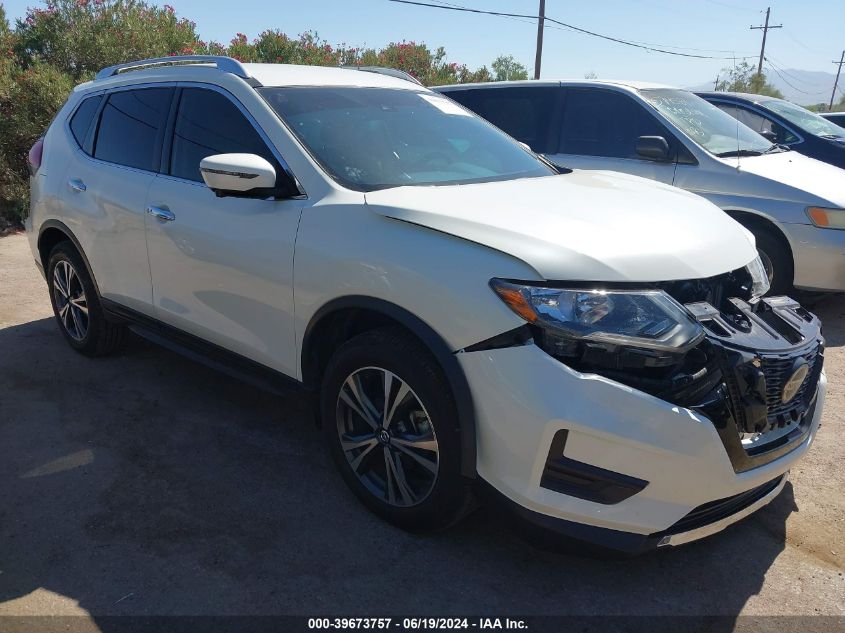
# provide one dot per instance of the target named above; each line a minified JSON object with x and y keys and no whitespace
{"x":71,"y":302}
{"x":387,"y":437}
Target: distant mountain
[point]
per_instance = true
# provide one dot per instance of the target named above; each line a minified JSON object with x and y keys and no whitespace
{"x":806,"y":87}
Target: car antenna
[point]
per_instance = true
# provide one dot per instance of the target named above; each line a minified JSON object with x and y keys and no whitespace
{"x":738,"y":153}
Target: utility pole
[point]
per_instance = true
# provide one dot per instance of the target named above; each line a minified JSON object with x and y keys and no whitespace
{"x":716,"y":83}
{"x":765,"y":28}
{"x":836,"y":82}
{"x":541,"y":21}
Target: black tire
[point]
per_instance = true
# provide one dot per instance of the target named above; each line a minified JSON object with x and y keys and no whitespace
{"x":448,"y":496}
{"x":92,"y":335}
{"x":777,"y":258}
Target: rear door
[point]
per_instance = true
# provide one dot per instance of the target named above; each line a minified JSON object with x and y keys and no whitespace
{"x":529,"y":114}
{"x":599,"y":130}
{"x":107,"y":182}
{"x":222,"y":268}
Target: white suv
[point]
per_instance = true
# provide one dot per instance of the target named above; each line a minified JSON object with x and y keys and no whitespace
{"x":590,"y":345}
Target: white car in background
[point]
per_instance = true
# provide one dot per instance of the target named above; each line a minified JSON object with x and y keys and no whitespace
{"x":794,"y":205}
{"x":590,"y":345}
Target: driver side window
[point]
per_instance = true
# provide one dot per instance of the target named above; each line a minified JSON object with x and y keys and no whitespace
{"x":208,"y":123}
{"x":605,"y":123}
{"x":759,"y":123}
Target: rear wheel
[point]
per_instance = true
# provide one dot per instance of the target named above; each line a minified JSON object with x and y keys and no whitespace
{"x":77,"y":306}
{"x":391,"y":425}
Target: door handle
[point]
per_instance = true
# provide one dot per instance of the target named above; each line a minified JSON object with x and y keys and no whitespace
{"x":76,"y":184}
{"x":161,"y":213}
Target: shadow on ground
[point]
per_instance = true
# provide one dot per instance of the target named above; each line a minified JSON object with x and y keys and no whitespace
{"x":147,"y":484}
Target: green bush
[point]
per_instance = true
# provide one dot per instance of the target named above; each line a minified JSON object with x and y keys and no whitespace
{"x":64,"y":42}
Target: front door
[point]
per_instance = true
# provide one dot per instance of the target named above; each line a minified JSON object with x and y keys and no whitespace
{"x":600,"y":129}
{"x":222,"y":268}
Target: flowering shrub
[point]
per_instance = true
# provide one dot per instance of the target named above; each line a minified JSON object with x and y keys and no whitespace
{"x":63,"y":42}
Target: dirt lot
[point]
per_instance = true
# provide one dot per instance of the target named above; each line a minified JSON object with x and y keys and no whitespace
{"x":147,"y":484}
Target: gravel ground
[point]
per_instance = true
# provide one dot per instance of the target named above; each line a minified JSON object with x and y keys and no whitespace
{"x":147,"y":484}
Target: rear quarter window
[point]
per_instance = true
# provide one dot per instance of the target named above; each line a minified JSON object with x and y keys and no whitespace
{"x":527,"y":114}
{"x":81,"y":120}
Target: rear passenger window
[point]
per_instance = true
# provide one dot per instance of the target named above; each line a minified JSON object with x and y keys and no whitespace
{"x":81,"y":120}
{"x":524,"y":113}
{"x":208,"y":123}
{"x":131,"y":126}
{"x":605,"y":123}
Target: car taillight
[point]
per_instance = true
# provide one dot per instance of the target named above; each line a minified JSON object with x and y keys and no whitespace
{"x":34,"y":157}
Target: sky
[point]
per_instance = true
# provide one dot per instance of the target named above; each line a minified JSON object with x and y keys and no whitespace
{"x":811,"y":37}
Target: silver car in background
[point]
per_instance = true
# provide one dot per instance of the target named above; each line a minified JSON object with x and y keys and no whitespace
{"x":794,"y":205}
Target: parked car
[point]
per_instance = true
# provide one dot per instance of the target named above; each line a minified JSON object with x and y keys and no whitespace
{"x":785,"y":123}
{"x":589,"y":346}
{"x":836,"y":117}
{"x":791,"y":203}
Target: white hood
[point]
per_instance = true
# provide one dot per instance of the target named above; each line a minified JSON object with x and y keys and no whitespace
{"x":795,"y":177}
{"x":583,"y":226}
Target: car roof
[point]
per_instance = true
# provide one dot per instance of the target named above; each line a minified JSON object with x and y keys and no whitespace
{"x":738,"y":96}
{"x":581,"y":83}
{"x":298,"y":75}
{"x":269,"y":75}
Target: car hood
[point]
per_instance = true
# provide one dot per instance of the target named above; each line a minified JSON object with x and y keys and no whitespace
{"x":582,"y":226}
{"x":795,"y":177}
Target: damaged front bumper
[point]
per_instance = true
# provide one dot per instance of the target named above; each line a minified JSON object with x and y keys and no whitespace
{"x":638,"y":470}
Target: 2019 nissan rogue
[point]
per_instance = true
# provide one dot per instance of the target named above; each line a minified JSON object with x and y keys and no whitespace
{"x":594,"y":346}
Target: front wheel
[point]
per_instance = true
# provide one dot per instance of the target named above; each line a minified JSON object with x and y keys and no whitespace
{"x":391,"y":425}
{"x":777,"y":261}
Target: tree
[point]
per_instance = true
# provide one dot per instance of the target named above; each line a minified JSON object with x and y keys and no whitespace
{"x":590,"y":75}
{"x":80,"y":37}
{"x":745,"y":78}
{"x":506,"y":68}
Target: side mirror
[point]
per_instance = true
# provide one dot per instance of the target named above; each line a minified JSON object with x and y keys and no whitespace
{"x":769,"y":136}
{"x":653,"y":148}
{"x":237,"y":174}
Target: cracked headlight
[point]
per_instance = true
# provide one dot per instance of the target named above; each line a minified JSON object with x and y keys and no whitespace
{"x":760,"y":282}
{"x":648,"y":319}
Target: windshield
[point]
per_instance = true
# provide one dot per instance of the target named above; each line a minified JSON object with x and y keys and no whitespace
{"x":803,"y":118}
{"x":374,"y":138}
{"x":716,"y":131}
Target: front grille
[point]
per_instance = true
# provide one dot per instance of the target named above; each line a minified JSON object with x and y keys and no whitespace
{"x":713,"y":511}
{"x":777,"y":370}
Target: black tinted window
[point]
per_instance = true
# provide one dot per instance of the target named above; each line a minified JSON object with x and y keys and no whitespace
{"x":524,"y":113}
{"x":208,"y":123}
{"x":81,"y":119}
{"x":605,"y":123}
{"x":758,"y":123}
{"x":130,"y":127}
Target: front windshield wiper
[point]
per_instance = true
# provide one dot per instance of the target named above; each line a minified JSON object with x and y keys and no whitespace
{"x":778,"y":147}
{"x":838,"y":137}
{"x":740,"y":152}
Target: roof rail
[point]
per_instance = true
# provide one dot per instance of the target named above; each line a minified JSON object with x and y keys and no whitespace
{"x":382,"y":70}
{"x":226,"y":64}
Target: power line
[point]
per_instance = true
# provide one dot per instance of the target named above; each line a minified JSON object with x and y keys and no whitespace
{"x":783,"y":79}
{"x":565,"y":25}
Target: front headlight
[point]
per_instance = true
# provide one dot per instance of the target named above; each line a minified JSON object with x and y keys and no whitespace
{"x":827,"y":218}
{"x":760,"y":282}
{"x":649,"y":319}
